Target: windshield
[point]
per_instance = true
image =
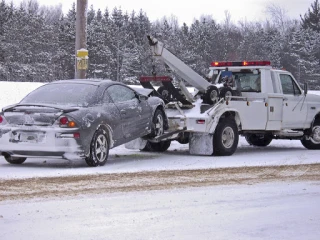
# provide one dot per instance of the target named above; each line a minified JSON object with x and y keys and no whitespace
{"x":244,"y":80}
{"x":71,"y":94}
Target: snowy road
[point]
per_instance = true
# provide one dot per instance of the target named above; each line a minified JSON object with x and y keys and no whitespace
{"x":280,"y":210}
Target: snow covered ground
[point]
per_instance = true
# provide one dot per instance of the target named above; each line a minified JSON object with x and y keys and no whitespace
{"x":272,"y":210}
{"x":243,"y":212}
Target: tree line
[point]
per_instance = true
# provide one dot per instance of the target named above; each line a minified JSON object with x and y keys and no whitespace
{"x":37,"y":43}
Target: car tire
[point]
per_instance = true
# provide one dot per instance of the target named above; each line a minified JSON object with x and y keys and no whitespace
{"x":14,"y":160}
{"x":259,"y":140}
{"x":212,"y":95}
{"x":225,"y":138}
{"x":313,"y":142}
{"x":158,"y":124}
{"x":99,"y":149}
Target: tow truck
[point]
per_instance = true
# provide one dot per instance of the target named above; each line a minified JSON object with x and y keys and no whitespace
{"x":248,"y":98}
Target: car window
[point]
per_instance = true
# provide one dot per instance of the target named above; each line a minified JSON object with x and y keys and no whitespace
{"x":120,"y":93}
{"x":72,"y":94}
{"x":289,"y":86}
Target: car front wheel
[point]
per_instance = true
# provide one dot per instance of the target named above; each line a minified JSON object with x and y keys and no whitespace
{"x":99,"y":149}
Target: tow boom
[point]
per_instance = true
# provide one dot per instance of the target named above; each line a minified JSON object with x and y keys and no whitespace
{"x":179,"y":67}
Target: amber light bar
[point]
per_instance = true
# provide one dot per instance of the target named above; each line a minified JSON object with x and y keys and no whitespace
{"x":241,"y":64}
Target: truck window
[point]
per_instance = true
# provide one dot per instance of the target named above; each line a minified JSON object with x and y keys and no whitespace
{"x":289,"y":86}
{"x":248,"y":81}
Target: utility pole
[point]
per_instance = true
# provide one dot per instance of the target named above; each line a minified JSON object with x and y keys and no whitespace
{"x":81,"y":51}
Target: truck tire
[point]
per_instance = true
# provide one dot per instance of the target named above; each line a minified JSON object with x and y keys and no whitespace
{"x":313,"y":142}
{"x":260,"y":140}
{"x":212,"y":95}
{"x":164,"y":93}
{"x":14,"y":160}
{"x":225,"y":138}
{"x":156,"y":147}
{"x":225,"y":92}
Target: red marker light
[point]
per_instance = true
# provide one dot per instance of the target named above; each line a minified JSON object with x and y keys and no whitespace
{"x":201,"y":121}
{"x":1,"y":119}
{"x":76,"y":135}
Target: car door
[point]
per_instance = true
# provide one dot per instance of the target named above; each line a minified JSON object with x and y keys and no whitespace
{"x":130,"y":110}
{"x":111,"y":116}
{"x":294,"y":104}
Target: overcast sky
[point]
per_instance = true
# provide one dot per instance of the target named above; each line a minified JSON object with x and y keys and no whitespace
{"x":187,"y":11}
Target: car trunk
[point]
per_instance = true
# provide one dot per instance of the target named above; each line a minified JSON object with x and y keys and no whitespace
{"x":34,"y":115}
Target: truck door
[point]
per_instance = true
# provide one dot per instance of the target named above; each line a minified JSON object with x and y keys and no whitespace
{"x":294,"y":104}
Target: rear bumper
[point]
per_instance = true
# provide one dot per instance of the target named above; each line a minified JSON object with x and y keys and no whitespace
{"x":40,"y":142}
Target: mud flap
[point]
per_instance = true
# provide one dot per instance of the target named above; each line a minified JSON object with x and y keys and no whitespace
{"x":201,"y":144}
{"x":136,"y":144}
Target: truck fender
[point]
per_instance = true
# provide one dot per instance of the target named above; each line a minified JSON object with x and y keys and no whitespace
{"x":220,"y":114}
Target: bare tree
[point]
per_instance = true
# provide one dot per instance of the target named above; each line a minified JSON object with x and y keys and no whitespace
{"x":278,"y":16}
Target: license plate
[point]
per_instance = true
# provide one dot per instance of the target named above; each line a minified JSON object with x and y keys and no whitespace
{"x":28,"y":137}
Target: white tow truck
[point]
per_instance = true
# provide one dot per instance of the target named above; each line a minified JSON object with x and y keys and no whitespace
{"x":247,"y":98}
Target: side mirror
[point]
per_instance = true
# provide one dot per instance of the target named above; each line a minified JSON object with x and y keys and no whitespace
{"x":142,"y":98}
{"x":305,"y":88}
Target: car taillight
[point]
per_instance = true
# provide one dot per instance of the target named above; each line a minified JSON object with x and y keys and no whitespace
{"x":67,"y":122}
{"x":2,"y":120}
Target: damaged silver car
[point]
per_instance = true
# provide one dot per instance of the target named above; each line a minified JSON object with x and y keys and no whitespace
{"x":78,"y":119}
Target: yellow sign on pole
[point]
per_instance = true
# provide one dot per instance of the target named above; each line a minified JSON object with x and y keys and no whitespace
{"x":82,"y":59}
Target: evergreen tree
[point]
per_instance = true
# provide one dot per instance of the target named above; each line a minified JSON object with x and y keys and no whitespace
{"x":312,"y":18}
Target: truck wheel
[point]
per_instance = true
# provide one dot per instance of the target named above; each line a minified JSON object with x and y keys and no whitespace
{"x":14,"y":160}
{"x":313,"y":141}
{"x":226,"y":138}
{"x":183,"y":138}
{"x":225,"y":92}
{"x":164,"y":92}
{"x":212,"y":95}
{"x":156,"y":147}
{"x":260,"y":140}
{"x":99,"y":149}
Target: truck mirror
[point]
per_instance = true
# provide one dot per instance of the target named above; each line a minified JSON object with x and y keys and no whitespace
{"x":305,"y":88}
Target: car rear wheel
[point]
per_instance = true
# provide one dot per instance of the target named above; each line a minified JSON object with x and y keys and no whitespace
{"x":14,"y":160}
{"x":99,"y":149}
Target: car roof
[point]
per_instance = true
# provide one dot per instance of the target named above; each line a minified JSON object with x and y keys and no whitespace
{"x":96,"y":82}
